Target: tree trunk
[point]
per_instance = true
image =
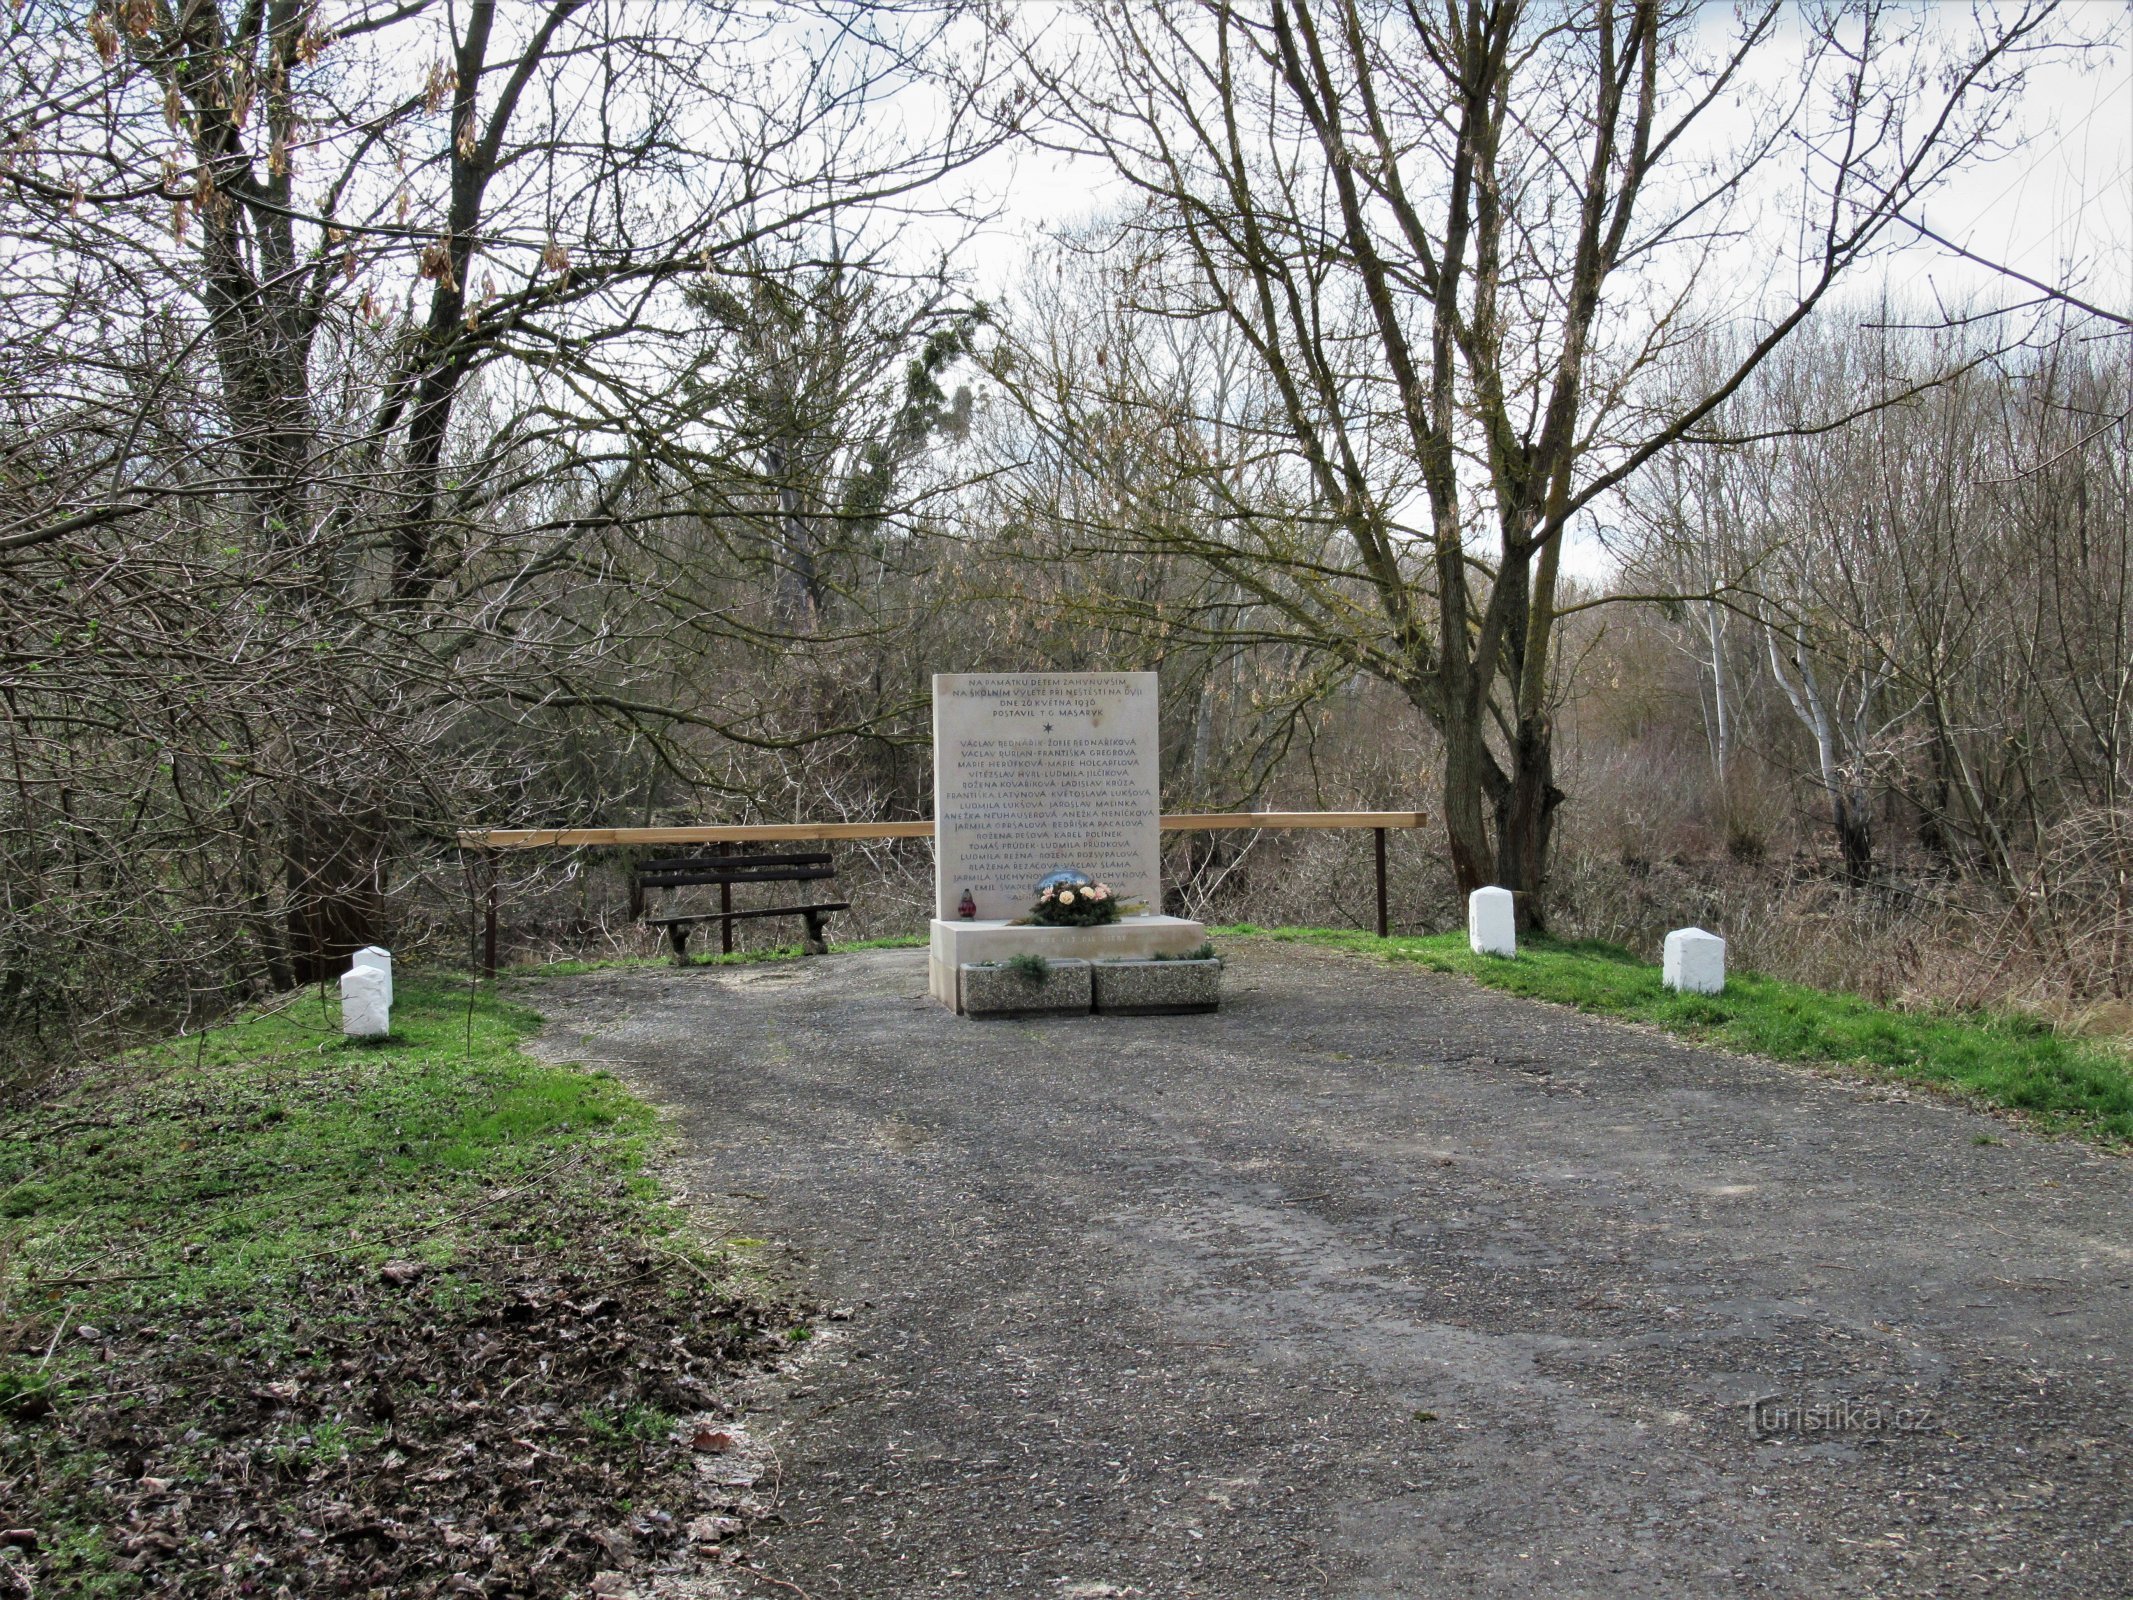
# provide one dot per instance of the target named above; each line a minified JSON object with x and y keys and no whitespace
{"x":1933,"y":835}
{"x":1851,"y":811}
{"x":1525,"y":821}
{"x":335,"y":884}
{"x":796,"y":582}
{"x":1467,"y":768}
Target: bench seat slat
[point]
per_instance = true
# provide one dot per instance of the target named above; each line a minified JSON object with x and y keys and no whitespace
{"x":687,"y":918}
{"x":683,"y":879}
{"x":728,"y":872}
{"x":795,"y":858}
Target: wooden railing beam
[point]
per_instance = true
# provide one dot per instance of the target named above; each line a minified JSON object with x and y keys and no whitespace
{"x":487,"y":840}
{"x":793,"y":832}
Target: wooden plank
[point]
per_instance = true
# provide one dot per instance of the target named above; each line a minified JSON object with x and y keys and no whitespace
{"x":1212,"y":821}
{"x":777,"y":832}
{"x":684,"y":880}
{"x":729,"y":833}
{"x":707,"y":861}
{"x":689,"y":919}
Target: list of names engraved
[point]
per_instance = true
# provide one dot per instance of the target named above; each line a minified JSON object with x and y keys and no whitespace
{"x":1034,"y":771}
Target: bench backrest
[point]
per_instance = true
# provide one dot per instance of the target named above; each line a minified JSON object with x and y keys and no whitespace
{"x":676,"y":872}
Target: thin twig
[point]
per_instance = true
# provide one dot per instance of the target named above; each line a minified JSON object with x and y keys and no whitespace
{"x":57,"y":1334}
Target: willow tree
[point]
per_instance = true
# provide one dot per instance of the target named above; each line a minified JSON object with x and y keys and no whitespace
{"x":1457,"y":238}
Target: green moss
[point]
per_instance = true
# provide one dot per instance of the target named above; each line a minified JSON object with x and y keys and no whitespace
{"x":2003,"y":1060}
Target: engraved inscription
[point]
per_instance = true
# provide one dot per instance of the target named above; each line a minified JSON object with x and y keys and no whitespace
{"x":1035,"y":771}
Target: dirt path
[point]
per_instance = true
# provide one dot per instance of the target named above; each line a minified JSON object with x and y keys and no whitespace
{"x":1379,"y":1284}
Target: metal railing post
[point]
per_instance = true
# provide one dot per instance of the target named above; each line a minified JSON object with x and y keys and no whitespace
{"x":488,"y":927}
{"x":1383,"y":927}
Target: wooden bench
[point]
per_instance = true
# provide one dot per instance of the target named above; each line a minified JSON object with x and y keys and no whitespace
{"x":680,"y":872}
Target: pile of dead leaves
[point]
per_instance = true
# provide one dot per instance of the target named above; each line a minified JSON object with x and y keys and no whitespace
{"x":509,"y":1426}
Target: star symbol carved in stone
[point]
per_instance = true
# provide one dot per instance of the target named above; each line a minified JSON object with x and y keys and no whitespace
{"x":1047,"y":727}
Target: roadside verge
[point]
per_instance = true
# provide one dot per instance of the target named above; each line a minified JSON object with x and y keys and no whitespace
{"x":281,"y":1309}
{"x":2013,"y":1063}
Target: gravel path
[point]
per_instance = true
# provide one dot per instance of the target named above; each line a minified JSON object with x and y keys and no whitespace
{"x":1381,"y":1284}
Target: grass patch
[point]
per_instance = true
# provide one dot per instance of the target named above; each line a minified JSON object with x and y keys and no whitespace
{"x":226,"y":1160}
{"x":2003,"y":1060}
{"x":270,"y":1282}
{"x":1204,"y":951}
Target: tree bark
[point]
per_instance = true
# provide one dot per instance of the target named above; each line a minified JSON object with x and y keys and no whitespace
{"x":335,"y":884}
{"x":1468,"y":768}
{"x":1851,"y":813}
{"x":1525,"y":821}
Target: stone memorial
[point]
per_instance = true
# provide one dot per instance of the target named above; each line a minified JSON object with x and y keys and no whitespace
{"x":1492,"y":922}
{"x":366,"y":1003}
{"x":1694,"y":962}
{"x":1035,"y":773}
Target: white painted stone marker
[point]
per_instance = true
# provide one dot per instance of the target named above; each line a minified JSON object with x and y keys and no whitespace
{"x":1695,"y":962}
{"x":1492,"y":922}
{"x":378,"y":959}
{"x":366,"y":1003}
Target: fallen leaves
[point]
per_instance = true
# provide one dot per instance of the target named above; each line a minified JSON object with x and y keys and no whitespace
{"x":416,"y":1430}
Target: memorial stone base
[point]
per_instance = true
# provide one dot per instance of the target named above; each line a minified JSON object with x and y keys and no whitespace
{"x":957,"y":944}
{"x":1005,"y":991}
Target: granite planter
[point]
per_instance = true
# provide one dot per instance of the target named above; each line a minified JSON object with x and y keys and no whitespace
{"x":1007,"y":991}
{"x":1157,"y":988}
{"x":958,"y":944}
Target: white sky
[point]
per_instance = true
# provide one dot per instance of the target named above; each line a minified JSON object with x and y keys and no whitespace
{"x":2064,"y":199}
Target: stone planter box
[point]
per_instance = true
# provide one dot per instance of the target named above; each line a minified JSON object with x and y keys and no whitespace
{"x":1157,"y":988}
{"x":958,"y":944}
{"x":1005,"y":991}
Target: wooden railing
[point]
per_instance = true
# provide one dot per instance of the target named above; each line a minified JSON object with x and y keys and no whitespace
{"x":815,"y":832}
{"x":488,"y":840}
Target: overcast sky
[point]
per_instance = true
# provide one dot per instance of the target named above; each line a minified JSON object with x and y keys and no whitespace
{"x":2059,"y":209}
{"x":2066,"y":200}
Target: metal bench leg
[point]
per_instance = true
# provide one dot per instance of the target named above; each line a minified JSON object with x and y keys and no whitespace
{"x":678,"y":938}
{"x":815,"y":944}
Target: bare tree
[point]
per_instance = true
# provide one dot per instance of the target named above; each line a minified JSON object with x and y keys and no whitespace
{"x":339,"y":344}
{"x":1941,"y":591}
{"x":1457,"y":240}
